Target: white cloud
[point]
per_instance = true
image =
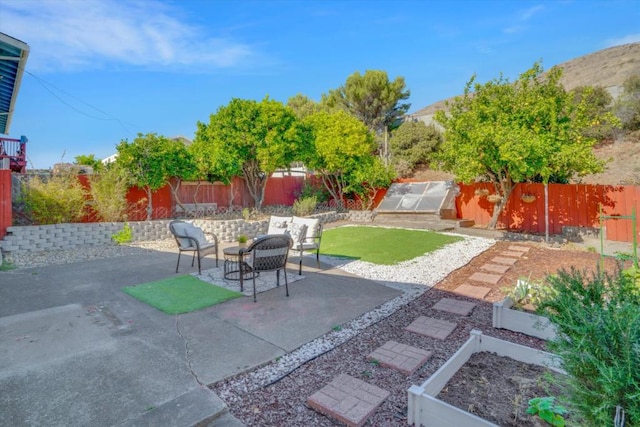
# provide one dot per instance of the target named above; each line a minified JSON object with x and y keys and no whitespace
{"x":76,"y":35}
{"x":630,"y":38}
{"x":522,"y":18}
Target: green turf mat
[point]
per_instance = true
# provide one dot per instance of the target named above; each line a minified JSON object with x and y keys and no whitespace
{"x":180,"y":294}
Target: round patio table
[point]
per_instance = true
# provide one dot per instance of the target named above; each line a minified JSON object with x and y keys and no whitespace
{"x":235,"y":265}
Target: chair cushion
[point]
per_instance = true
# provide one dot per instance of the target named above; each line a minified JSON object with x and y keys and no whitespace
{"x":297,"y":233}
{"x":311,"y":223}
{"x":198,"y":234}
{"x":278,"y":224}
{"x":180,"y":228}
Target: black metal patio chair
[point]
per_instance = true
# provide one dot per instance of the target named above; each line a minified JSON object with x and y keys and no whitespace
{"x":268,"y":253}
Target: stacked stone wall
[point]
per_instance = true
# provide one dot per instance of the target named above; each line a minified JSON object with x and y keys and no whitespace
{"x":24,"y":239}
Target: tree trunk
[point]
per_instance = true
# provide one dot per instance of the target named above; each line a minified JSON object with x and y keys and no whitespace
{"x":504,"y":190}
{"x":149,"y":203}
{"x":174,"y":191}
{"x":256,"y":181}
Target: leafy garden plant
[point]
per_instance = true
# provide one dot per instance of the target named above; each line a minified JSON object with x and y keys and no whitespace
{"x":598,"y":340}
{"x":123,"y":236}
{"x":526,"y":292}
{"x":305,"y":206}
{"x":547,"y":410}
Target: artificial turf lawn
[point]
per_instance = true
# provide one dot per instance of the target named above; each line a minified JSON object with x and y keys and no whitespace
{"x":180,"y":294}
{"x":379,"y":245}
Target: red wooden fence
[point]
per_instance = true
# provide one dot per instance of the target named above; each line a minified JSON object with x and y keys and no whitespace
{"x":569,"y":205}
{"x":5,"y":201}
{"x":279,"y":191}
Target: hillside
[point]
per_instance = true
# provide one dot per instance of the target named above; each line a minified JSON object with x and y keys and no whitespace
{"x":607,"y":68}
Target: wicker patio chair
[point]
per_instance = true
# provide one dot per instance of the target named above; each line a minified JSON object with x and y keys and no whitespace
{"x":268,"y":253}
{"x":192,"y":239}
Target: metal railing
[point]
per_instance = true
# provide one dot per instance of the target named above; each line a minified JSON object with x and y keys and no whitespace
{"x":13,"y":152}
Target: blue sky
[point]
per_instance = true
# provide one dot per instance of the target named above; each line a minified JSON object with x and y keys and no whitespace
{"x":100,"y":71}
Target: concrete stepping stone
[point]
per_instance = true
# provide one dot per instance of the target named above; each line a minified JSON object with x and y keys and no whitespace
{"x":402,"y":357}
{"x":504,"y":260}
{"x":455,"y":306}
{"x":430,"y":327}
{"x":477,"y":292}
{"x":513,"y":254}
{"x":348,"y":400}
{"x":486,"y":277}
{"x":519,"y":248}
{"x":495,"y":268}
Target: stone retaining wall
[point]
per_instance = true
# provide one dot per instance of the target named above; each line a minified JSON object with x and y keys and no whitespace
{"x":23,"y":239}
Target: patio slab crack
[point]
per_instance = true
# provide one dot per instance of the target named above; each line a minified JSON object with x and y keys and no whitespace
{"x":187,"y":353}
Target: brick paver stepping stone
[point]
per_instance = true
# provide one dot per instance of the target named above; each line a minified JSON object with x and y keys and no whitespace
{"x":495,"y":268}
{"x":513,"y":254}
{"x":402,"y":357}
{"x":477,"y":292}
{"x":486,"y":277}
{"x":430,"y":327}
{"x":348,"y":400}
{"x":504,"y":260}
{"x":519,"y":248}
{"x":455,"y":306}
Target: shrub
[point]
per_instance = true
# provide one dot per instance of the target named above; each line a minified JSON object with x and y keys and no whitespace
{"x":316,"y":190}
{"x":109,"y":194}
{"x":526,"y":292}
{"x":598,"y":324}
{"x":60,"y":199}
{"x":304,"y":206}
{"x":123,"y":236}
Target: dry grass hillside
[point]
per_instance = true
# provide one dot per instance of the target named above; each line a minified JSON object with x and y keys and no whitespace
{"x":607,"y":68}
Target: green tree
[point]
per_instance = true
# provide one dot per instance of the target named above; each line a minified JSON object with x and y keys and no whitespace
{"x":88,"y":160}
{"x":412,"y":145}
{"x":343,"y":150}
{"x":303,"y":106}
{"x":179,"y":165}
{"x":627,"y":107}
{"x":600,"y":100}
{"x":374,"y":100}
{"x":145,"y":160}
{"x":249,"y":139}
{"x":516,"y":132}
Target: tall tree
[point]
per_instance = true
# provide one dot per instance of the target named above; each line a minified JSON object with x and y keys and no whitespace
{"x":145,"y":159}
{"x":303,"y":106}
{"x":344,"y":153}
{"x":412,"y":145}
{"x":250,"y":139}
{"x":374,"y":100}
{"x":515,"y":132}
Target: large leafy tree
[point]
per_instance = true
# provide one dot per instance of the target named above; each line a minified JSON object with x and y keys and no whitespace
{"x":303,"y":106}
{"x":344,"y":155}
{"x":373,"y":99}
{"x":412,"y":145}
{"x":149,"y":162}
{"x":250,"y":139}
{"x":516,"y":132}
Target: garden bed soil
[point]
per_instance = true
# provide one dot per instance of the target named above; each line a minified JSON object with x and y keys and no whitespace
{"x":284,"y":402}
{"x":498,"y":389}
